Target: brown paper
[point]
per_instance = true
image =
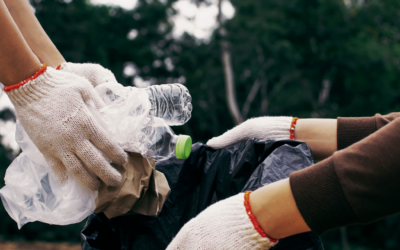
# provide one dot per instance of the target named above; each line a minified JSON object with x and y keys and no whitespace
{"x":143,"y":190}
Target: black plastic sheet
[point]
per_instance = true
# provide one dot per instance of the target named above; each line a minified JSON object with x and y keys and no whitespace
{"x":207,"y":176}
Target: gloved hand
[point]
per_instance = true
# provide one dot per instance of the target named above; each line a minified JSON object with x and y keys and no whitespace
{"x":53,"y":110}
{"x":262,"y":128}
{"x":94,"y":73}
{"x":224,"y":225}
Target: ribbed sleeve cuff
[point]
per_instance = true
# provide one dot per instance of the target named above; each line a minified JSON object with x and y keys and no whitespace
{"x":352,"y":130}
{"x":320,"y":199}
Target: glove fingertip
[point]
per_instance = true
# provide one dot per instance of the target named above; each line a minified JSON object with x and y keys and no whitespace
{"x":213,"y":143}
{"x":124,"y":158}
{"x":114,"y":178}
{"x":120,"y":157}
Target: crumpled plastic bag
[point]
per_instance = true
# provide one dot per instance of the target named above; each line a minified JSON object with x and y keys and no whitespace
{"x":125,"y":115}
{"x":32,"y":194}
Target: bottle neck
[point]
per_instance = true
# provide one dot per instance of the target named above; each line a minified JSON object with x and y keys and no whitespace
{"x":174,"y":139}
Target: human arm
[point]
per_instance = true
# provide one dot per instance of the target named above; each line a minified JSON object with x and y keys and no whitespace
{"x":53,"y":108}
{"x":17,"y":61}
{"x":32,"y":31}
{"x":326,"y":136}
{"x":356,"y":185}
{"x":319,"y":134}
{"x":323,"y":136}
{"x":46,"y":51}
{"x":276,"y":211}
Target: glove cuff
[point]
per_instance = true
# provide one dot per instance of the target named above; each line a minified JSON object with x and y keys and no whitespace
{"x":249,"y":236}
{"x":33,"y":88}
{"x":41,"y":71}
{"x":276,"y":128}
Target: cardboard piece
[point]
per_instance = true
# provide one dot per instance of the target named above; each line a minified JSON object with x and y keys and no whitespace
{"x":143,"y":190}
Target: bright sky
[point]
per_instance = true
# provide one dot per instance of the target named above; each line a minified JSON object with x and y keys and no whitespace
{"x":199,"y":21}
{"x":127,"y":4}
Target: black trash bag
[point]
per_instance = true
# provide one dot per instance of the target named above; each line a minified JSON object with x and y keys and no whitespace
{"x":207,"y":176}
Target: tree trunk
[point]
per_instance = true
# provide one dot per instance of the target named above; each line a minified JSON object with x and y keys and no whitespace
{"x":250,"y":98}
{"x":228,"y":71}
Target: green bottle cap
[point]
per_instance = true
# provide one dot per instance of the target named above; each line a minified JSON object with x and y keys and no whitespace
{"x":183,"y":147}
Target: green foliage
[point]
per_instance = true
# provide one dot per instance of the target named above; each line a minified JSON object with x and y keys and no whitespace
{"x":308,"y":42}
{"x":88,"y":33}
{"x":290,"y":47}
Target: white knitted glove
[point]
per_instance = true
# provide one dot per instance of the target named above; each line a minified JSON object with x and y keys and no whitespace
{"x":262,"y":128}
{"x":53,"y":110}
{"x":94,"y":73}
{"x":224,"y":225}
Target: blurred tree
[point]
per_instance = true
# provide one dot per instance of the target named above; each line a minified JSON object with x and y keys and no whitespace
{"x":226,"y":59}
{"x":316,"y":58}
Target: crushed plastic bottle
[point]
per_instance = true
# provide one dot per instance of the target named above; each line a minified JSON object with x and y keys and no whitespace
{"x":128,"y":119}
{"x":161,"y":142}
{"x":171,"y":102}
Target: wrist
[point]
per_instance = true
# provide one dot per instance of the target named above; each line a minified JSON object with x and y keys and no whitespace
{"x":26,"y":73}
{"x":33,"y":76}
{"x":253,"y":219}
{"x":319,"y":134}
{"x":276,"y":211}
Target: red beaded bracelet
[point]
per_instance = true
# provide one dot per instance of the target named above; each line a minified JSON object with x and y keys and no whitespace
{"x":292,"y":126}
{"x":58,"y":67}
{"x":253,"y":218}
{"x":38,"y":73}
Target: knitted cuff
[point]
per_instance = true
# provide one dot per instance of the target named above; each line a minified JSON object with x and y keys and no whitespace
{"x":33,"y":88}
{"x":240,"y":222}
{"x":279,"y":127}
{"x":42,"y":69}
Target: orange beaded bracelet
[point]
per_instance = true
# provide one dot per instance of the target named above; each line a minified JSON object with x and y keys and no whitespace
{"x":38,"y":73}
{"x":58,"y":67}
{"x":253,"y":218}
{"x":292,"y":126}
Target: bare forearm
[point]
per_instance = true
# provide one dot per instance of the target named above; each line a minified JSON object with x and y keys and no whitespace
{"x":276,"y":211}
{"x":17,"y":61}
{"x":35,"y":36}
{"x":319,"y":134}
{"x":273,"y":205}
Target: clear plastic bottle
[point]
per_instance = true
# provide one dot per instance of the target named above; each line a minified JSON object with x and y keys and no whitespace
{"x":172,"y":102}
{"x":159,"y":141}
{"x":128,"y":118}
